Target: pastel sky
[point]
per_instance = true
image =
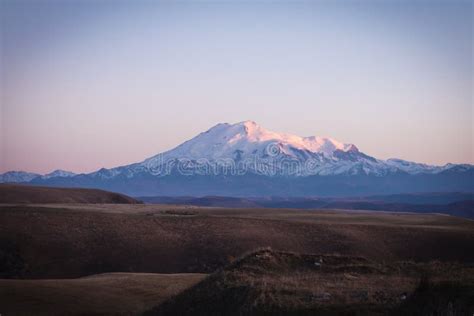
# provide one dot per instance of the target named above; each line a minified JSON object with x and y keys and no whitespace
{"x":91,"y":84}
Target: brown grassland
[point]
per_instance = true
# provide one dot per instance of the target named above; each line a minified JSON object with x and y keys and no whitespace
{"x":25,"y":194}
{"x":109,"y":293}
{"x":369,"y":259}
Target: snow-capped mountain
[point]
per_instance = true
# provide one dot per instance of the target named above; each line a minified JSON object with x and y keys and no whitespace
{"x":246,"y":147}
{"x":225,"y":140}
{"x":17,"y":176}
{"x":245,"y":159}
{"x":59,"y":173}
{"x":21,"y":176}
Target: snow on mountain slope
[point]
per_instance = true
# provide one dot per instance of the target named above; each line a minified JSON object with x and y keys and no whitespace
{"x":21,"y":176}
{"x":223,"y":140}
{"x":59,"y":173}
{"x":255,"y":149}
{"x":17,"y":176}
{"x":247,"y":148}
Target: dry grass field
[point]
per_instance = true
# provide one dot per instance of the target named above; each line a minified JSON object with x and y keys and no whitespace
{"x":268,"y":282}
{"x":110,"y":293}
{"x":27,"y":194}
{"x":48,"y":251}
{"x":64,"y":241}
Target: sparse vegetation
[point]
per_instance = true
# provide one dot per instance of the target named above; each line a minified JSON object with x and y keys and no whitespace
{"x":26,"y":194}
{"x":179,"y":212}
{"x":261,"y":261}
{"x":440,"y":298}
{"x":104,"y":294}
{"x":282,"y":283}
{"x":64,"y":241}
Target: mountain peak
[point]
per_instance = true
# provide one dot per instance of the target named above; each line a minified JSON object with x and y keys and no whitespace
{"x":59,"y":173}
{"x":248,"y":148}
{"x":253,"y":146}
{"x":250,"y":139}
{"x":247,"y":123}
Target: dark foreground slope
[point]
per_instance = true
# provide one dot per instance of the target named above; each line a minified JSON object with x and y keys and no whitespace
{"x":268,"y":282}
{"x":24,"y":194}
{"x":103,"y":294}
{"x":64,"y":241}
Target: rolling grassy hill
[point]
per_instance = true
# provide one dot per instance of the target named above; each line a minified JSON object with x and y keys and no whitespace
{"x":64,"y":241}
{"x":452,"y":203}
{"x":25,"y":194}
{"x":268,"y":282}
{"x":103,"y":294}
{"x":309,"y":261}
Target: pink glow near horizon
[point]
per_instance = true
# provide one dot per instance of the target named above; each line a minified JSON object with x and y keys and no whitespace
{"x":86,"y":86}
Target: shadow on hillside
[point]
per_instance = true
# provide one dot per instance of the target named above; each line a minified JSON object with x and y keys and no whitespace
{"x":267,"y":282}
